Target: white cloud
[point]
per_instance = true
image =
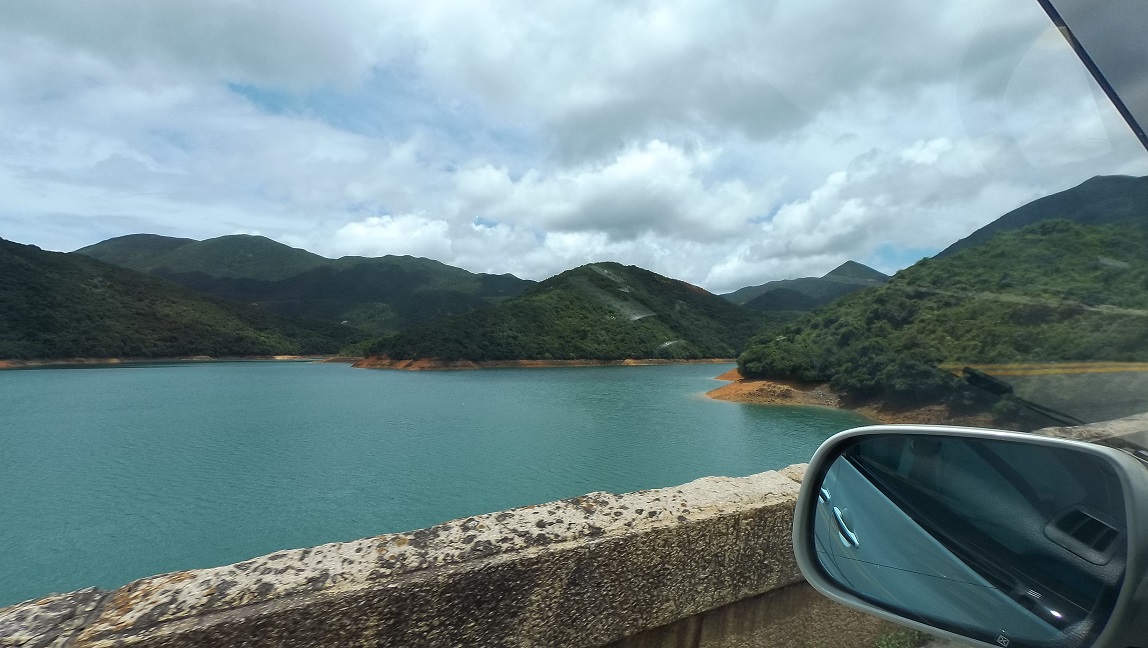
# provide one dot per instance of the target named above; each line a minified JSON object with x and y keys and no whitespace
{"x":412,"y":234}
{"x":650,"y":188}
{"x":724,"y":143}
{"x":927,"y":152}
{"x":289,"y":43}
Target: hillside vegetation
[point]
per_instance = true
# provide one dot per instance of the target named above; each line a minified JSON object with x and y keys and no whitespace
{"x":55,"y":305}
{"x":238,"y":256}
{"x":379,"y":295}
{"x":602,"y":311}
{"x":1101,"y":200}
{"x":1053,"y":291}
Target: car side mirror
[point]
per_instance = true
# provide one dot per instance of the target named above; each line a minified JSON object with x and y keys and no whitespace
{"x":995,"y":538}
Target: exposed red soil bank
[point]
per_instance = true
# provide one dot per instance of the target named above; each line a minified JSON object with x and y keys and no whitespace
{"x":771,"y":392}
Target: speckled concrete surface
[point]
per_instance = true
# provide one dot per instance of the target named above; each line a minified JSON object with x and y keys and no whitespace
{"x":1111,"y":433}
{"x":584,"y":571}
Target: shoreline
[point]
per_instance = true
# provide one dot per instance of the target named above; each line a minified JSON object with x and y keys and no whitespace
{"x":427,"y":364}
{"x":772,"y":392}
{"x":63,"y":363}
{"x":753,"y":391}
{"x":354,"y":361}
{"x":738,"y":390}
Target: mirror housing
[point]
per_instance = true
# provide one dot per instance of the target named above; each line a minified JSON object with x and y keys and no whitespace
{"x":994,"y":538}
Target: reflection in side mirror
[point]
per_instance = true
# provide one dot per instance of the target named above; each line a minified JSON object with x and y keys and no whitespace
{"x":1005,"y":539}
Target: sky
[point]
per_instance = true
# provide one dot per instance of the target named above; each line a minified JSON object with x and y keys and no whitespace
{"x":722,"y":142}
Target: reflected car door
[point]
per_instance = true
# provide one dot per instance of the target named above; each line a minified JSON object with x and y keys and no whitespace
{"x":864,"y":541}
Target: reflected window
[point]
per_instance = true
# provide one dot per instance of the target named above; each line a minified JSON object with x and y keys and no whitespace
{"x":988,"y":538}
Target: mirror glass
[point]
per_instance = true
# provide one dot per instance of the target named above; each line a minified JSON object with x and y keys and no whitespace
{"x":999,"y":541}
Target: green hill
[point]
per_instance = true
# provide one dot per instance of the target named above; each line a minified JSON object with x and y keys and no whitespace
{"x":602,"y":311}
{"x":1052,"y":292}
{"x":379,"y":295}
{"x":55,"y":305}
{"x":237,"y":256}
{"x":135,"y":251}
{"x":1097,"y":201}
{"x":780,"y":300}
{"x":817,"y":291}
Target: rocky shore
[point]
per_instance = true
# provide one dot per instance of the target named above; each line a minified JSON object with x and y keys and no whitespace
{"x":770,"y":392}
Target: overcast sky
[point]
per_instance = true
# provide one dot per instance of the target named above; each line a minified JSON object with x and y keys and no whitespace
{"x":722,"y":142}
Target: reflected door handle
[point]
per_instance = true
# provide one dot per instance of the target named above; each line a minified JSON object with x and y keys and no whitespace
{"x":843,"y":519}
{"x":823,"y":496}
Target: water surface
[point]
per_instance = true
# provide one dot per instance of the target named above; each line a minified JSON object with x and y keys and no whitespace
{"x":112,"y":474}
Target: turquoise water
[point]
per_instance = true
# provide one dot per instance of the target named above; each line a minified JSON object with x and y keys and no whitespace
{"x":112,"y":474}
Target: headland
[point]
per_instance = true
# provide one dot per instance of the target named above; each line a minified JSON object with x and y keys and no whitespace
{"x":778,"y":392}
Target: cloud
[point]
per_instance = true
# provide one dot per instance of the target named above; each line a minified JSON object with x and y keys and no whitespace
{"x":411,"y":234}
{"x":921,"y":197}
{"x":288,"y":43}
{"x":724,"y":143}
{"x":654,"y":187}
{"x":601,"y":77}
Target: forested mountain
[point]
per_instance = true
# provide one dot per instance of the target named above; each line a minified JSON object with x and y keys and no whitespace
{"x":55,"y":305}
{"x":135,"y":251}
{"x":1053,"y":291}
{"x":602,"y":311}
{"x":1097,"y":201}
{"x":807,"y":293}
{"x":240,"y":256}
{"x":379,"y":295}
{"x":781,"y":300}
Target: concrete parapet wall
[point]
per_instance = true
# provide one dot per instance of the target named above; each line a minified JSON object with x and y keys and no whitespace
{"x":707,"y":564}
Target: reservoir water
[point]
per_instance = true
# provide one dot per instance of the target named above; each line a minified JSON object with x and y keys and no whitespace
{"x":112,"y":474}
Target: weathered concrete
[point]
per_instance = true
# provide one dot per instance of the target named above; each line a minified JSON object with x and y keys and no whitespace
{"x":690,"y":565}
{"x":795,"y":616}
{"x":1114,"y":433}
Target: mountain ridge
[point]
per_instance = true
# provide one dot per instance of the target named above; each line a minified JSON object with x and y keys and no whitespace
{"x":378,"y":294}
{"x":814,"y":291}
{"x":1099,"y":200}
{"x":599,"y":311}
{"x":61,"y":305}
{"x":240,"y":256}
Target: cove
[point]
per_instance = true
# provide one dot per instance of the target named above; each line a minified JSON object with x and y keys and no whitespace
{"x":112,"y":474}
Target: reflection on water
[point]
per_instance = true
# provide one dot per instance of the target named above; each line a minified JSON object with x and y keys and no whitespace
{"x":117,"y":473}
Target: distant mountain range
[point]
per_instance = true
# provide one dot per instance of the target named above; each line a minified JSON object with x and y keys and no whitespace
{"x":250,"y":292}
{"x":55,"y":305}
{"x":379,"y":295}
{"x":807,"y":293}
{"x":601,"y":311}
